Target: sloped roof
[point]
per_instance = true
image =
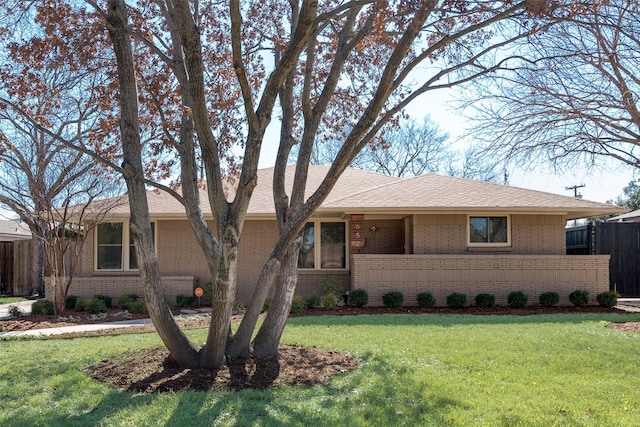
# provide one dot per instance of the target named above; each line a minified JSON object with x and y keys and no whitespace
{"x":162,"y":204}
{"x":633,"y":216}
{"x":437,"y":193}
{"x":362,"y":192}
{"x":11,"y":230}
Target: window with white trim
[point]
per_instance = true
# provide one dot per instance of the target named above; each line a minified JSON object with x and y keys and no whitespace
{"x":115,"y":249}
{"x":331,"y":253}
{"x":489,"y":230}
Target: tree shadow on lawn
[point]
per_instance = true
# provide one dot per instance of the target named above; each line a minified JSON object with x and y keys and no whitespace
{"x":380,"y":394}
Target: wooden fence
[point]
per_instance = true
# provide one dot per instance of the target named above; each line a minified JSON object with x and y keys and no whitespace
{"x":6,"y":268}
{"x":619,"y":240}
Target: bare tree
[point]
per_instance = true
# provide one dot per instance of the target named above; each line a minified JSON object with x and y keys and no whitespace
{"x":575,"y":97}
{"x":409,"y":149}
{"x":38,"y":175}
{"x":313,"y":90}
{"x":340,"y":70}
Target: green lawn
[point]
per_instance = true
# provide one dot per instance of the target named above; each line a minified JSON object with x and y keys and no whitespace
{"x":418,"y":370}
{"x":11,"y":300}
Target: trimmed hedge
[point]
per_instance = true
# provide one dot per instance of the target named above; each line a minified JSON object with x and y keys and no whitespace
{"x":70,"y":302}
{"x":393,"y":299}
{"x":608,"y":299}
{"x":485,"y":300}
{"x":426,"y":300}
{"x":358,"y":298}
{"x":579,"y":298}
{"x":42,"y":307}
{"x":95,"y":306}
{"x":549,"y":299}
{"x":457,"y":300}
{"x":517,"y":299}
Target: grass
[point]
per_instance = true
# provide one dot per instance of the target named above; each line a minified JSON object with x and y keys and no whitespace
{"x":419,"y":370}
{"x":11,"y":300}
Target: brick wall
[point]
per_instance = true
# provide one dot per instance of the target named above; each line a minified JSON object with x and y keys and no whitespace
{"x":474,"y":274}
{"x":530,"y":234}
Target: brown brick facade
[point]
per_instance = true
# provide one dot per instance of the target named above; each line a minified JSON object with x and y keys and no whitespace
{"x":530,"y":234}
{"x":441,"y":261}
{"x":474,"y":274}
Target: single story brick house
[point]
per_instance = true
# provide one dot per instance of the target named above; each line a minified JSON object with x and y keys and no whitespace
{"x":374,"y":232}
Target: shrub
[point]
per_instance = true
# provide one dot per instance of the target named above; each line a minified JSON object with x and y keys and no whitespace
{"x":549,"y":299}
{"x":238,"y":308}
{"x":312,"y":301}
{"x":95,"y":306}
{"x":329,"y":301}
{"x":42,"y":307}
{"x":426,"y":299}
{"x":358,"y":297}
{"x":80,"y":304}
{"x":579,"y":298}
{"x":393,"y":299}
{"x":105,"y":298}
{"x":70,"y":302}
{"x":608,"y":299}
{"x":297,"y":305}
{"x":15,"y":311}
{"x":485,"y":300}
{"x":517,"y":299}
{"x":208,"y":292}
{"x":183,"y":300}
{"x":332,"y":285}
{"x":126,"y":300}
{"x":266,"y":305}
{"x":456,"y":300}
{"x":137,"y":306}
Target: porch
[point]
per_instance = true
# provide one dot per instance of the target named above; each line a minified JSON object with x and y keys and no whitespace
{"x":474,"y":274}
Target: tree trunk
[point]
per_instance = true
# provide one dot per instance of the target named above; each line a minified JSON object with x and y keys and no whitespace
{"x":37,"y":267}
{"x":212,"y":355}
{"x":239,"y":347}
{"x":176,"y":342}
{"x":265,"y":345}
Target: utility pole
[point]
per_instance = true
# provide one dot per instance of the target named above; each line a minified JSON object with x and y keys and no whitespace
{"x":575,"y":190}
{"x":576,"y":195}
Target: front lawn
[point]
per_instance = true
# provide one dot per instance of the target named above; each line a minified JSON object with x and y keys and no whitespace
{"x":419,"y":370}
{"x":11,"y":300}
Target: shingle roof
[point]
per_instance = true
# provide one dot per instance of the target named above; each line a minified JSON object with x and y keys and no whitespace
{"x":11,"y":230}
{"x":431,"y":192}
{"x":359,"y":191}
{"x":633,"y":216}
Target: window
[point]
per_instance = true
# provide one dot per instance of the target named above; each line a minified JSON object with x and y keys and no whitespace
{"x":489,"y":230}
{"x":115,"y":249}
{"x":332,"y":251}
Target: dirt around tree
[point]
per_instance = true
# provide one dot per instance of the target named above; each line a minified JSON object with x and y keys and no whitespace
{"x":151,"y":370}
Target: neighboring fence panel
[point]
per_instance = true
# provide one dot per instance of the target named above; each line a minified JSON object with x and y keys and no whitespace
{"x":580,"y":240}
{"x":622,"y":242}
{"x":6,"y":268}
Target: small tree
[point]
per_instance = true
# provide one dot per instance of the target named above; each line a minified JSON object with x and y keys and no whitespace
{"x":66,"y":231}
